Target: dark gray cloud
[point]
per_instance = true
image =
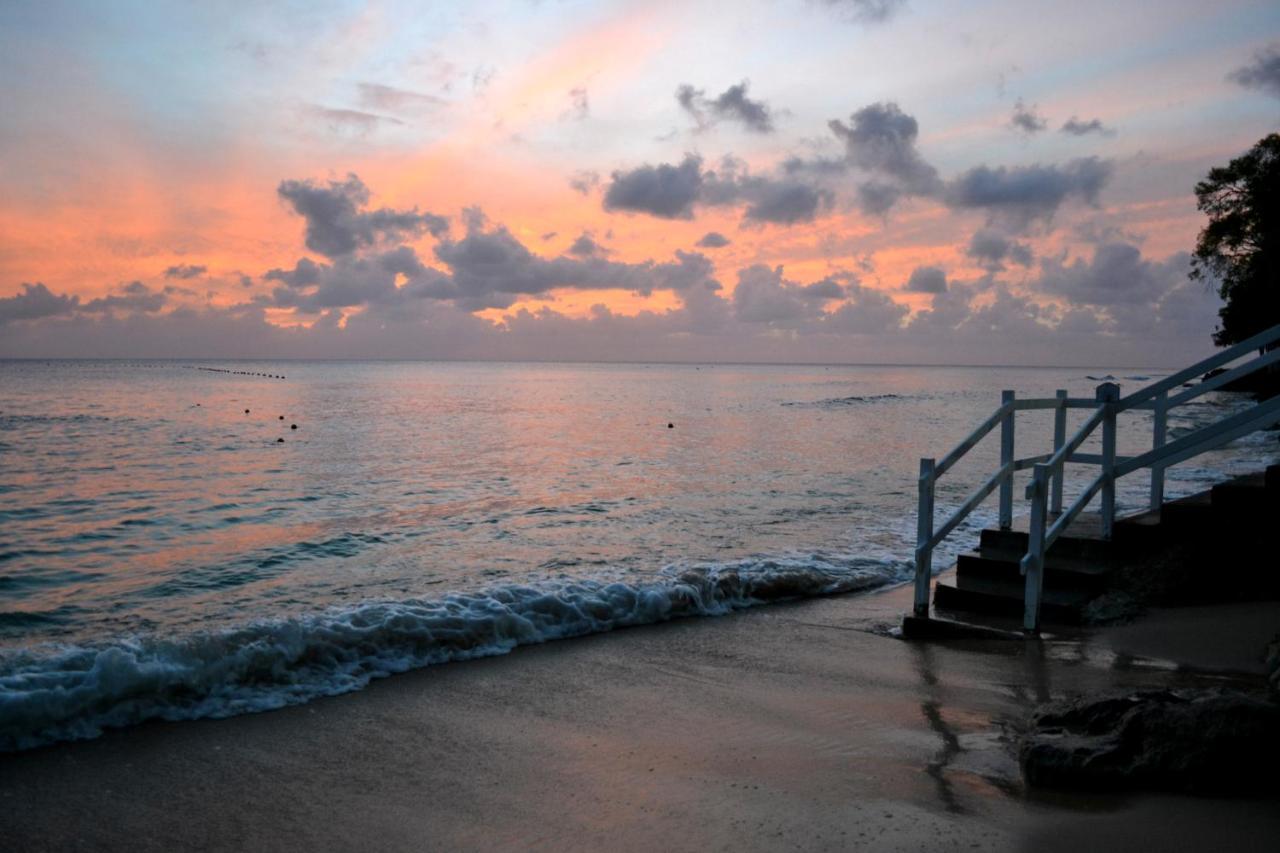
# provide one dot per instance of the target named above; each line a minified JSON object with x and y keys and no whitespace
{"x":1025,"y":119}
{"x":34,"y":302}
{"x":133,"y":297}
{"x":881,"y":139}
{"x":865,"y":11}
{"x":877,"y":197}
{"x":991,"y":247}
{"x":865,"y":312}
{"x":764,"y":296}
{"x":1078,"y":127}
{"x":376,"y":96}
{"x":185,"y":271}
{"x":585,"y":246}
{"x":489,"y":267}
{"x":351,"y":281}
{"x":665,"y":191}
{"x":1117,"y":274}
{"x":1262,"y":73}
{"x":673,"y":191}
{"x":305,"y":272}
{"x":782,"y":202}
{"x":338,"y":224}
{"x":1018,"y":196}
{"x":713,"y":240}
{"x":927,"y":280}
{"x":732,"y":104}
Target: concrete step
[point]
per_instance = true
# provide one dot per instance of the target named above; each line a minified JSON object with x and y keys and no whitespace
{"x":1060,"y":572}
{"x":1083,"y":537}
{"x":1007,"y":599}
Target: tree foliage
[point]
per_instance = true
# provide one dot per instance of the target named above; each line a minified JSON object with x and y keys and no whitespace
{"x":1240,"y":247}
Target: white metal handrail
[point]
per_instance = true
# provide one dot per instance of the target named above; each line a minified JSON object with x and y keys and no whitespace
{"x":1048,"y":470}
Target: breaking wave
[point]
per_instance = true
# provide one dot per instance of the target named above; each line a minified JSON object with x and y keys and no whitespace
{"x":62,"y":692}
{"x":840,"y":402}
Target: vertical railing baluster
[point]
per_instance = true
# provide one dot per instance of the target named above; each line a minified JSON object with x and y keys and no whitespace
{"x":1033,"y":562}
{"x":924,"y":533}
{"x":1059,"y":439}
{"x":1006,"y":458}
{"x":1107,"y":395}
{"x":1159,"y":424}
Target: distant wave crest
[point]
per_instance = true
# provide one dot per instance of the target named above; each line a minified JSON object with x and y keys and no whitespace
{"x":62,"y":692}
{"x":840,"y":402}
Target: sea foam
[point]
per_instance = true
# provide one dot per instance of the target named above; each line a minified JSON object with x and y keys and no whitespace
{"x":61,"y":692}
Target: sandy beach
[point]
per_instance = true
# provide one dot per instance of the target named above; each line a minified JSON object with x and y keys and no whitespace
{"x":788,"y":727}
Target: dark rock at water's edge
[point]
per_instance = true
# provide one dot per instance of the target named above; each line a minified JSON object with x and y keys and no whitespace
{"x":1208,"y":741}
{"x":1272,"y":658}
{"x":1263,"y":384}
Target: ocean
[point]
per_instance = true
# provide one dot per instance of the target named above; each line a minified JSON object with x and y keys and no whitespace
{"x":187,"y":539}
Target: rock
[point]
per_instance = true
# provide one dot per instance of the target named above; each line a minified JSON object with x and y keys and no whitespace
{"x":1273,"y":663}
{"x":1203,"y":741}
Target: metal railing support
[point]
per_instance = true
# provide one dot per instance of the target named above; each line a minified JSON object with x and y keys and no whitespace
{"x":1107,"y":394}
{"x":924,"y":535}
{"x":1006,"y":458}
{"x":1159,"y":426}
{"x":1033,"y":562}
{"x":1059,"y":439}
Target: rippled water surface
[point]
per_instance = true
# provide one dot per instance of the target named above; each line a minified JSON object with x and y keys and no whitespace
{"x":145,"y":503}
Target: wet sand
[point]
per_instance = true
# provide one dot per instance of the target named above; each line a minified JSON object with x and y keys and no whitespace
{"x":787,"y":727}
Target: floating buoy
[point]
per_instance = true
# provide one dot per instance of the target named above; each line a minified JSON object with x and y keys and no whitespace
{"x":246,"y":411}
{"x":279,"y":441}
{"x":671,"y":426}
{"x":282,"y":417}
{"x":293,"y":426}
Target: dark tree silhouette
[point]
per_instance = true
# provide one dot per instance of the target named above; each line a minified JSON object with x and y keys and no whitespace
{"x":1240,"y":247}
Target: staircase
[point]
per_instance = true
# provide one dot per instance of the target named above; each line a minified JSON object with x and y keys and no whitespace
{"x":1056,"y":560}
{"x":1082,"y":564}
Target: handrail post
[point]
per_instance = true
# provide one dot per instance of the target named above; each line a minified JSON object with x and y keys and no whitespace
{"x":1033,"y":562}
{"x":1006,"y":458}
{"x":1107,"y":394}
{"x":924,"y":533}
{"x":1059,"y":439}
{"x":1159,"y":429}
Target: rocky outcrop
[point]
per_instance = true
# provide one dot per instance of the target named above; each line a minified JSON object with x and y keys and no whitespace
{"x":1202,"y":741}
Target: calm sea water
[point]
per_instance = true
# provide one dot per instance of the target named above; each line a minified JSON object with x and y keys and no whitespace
{"x":164,"y":554}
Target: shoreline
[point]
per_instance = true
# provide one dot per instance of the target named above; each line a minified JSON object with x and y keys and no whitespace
{"x":798,"y":724}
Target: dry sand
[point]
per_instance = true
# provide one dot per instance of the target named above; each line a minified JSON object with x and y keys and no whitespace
{"x":787,"y":727}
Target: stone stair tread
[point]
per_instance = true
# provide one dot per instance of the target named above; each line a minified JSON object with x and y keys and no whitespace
{"x":1052,"y":562}
{"x":1086,"y":525}
{"x":994,"y":599}
{"x":1017,"y":590}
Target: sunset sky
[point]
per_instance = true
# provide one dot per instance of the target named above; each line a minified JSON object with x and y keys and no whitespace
{"x":782,"y":180}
